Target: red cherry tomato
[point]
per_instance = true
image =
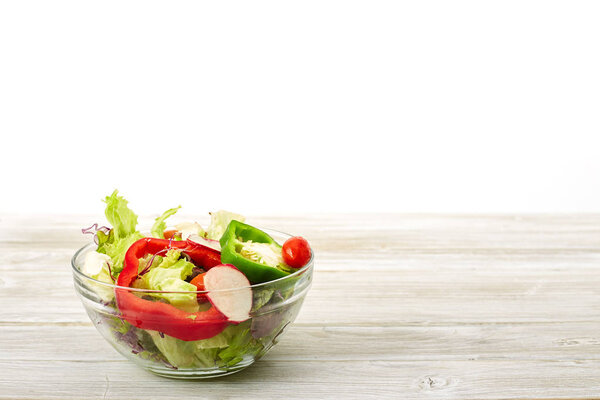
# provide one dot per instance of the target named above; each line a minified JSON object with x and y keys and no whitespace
{"x":296,"y":252}
{"x":170,"y":234}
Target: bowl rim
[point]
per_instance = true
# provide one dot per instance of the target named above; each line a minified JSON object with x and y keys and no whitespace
{"x":87,"y":247}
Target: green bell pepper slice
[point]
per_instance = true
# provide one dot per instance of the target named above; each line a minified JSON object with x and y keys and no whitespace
{"x":253,"y":252}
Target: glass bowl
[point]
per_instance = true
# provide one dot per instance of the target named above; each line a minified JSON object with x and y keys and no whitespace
{"x":275,"y":306}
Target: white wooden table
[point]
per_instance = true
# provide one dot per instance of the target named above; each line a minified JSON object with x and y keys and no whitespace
{"x":402,"y":306}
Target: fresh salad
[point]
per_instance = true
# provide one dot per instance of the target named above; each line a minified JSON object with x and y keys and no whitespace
{"x":186,"y":296}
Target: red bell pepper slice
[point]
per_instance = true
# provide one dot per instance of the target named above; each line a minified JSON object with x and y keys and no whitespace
{"x":160,"y":316}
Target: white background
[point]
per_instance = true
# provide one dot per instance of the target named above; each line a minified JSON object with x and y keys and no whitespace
{"x":277,"y":107}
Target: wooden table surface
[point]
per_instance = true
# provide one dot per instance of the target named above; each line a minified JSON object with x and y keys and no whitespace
{"x":402,"y":306}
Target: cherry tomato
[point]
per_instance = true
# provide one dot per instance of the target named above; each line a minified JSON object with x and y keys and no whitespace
{"x":296,"y":252}
{"x":170,"y":234}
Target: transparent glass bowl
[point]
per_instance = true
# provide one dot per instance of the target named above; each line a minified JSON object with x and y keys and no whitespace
{"x":275,"y":306}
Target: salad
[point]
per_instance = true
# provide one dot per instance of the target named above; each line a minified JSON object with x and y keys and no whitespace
{"x":189,"y":297}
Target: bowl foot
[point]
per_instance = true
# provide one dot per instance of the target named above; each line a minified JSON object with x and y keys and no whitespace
{"x":192,"y":374}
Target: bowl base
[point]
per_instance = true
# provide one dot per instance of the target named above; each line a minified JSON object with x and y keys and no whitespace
{"x":191,"y":374}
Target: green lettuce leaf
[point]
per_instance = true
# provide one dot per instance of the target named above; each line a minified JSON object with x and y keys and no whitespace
{"x":191,"y":354}
{"x":260,"y":297}
{"x":122,"y":219}
{"x":223,"y":350}
{"x":169,"y":275}
{"x":207,"y":357}
{"x":241,"y":344}
{"x":219,"y":221}
{"x":116,"y":248}
{"x":179,"y":353}
{"x":159,"y":224}
{"x":123,"y":233}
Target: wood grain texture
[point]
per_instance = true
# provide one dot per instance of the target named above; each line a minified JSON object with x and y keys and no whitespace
{"x":402,"y":306}
{"x":310,"y":379}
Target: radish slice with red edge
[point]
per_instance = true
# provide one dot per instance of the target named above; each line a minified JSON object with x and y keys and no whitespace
{"x":211,"y":244}
{"x":236,"y":303}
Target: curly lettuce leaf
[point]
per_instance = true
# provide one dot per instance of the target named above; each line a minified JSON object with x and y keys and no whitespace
{"x":123,"y":233}
{"x":190,"y":354}
{"x":159,"y":224}
{"x":241,"y":344}
{"x":116,"y":248}
{"x":169,"y":276}
{"x":223,"y":350}
{"x":179,"y":353}
{"x":120,"y":216}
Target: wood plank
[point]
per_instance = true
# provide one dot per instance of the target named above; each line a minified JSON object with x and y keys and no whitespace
{"x":381,"y":231}
{"x":521,"y":342}
{"x":58,"y":258}
{"x":271,"y":379}
{"x":375,"y":242}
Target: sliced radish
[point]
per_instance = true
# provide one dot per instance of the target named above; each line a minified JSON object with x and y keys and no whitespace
{"x":235,"y":304}
{"x":189,"y":228}
{"x":211,"y":244}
